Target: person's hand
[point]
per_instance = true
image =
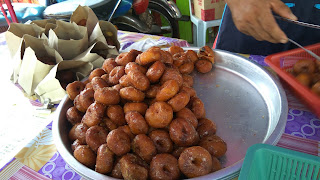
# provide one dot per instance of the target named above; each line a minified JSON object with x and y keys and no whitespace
{"x":254,"y":18}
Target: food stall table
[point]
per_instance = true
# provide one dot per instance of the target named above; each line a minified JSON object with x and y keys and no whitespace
{"x":27,"y":149}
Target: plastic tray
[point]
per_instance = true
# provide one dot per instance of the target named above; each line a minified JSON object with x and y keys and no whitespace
{"x":264,"y":161}
{"x":285,"y":60}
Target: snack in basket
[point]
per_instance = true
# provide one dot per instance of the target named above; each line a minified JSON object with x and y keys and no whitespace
{"x":307,"y":72}
{"x":316,"y":88}
{"x":141,"y":117}
{"x":304,"y":66}
{"x":304,"y":79}
{"x":108,"y":35}
{"x":65,"y":77}
{"x":82,"y":22}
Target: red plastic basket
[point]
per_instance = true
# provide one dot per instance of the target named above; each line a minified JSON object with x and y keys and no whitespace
{"x":281,"y":62}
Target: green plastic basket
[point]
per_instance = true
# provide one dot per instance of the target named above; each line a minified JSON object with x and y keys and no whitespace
{"x":263,"y":161}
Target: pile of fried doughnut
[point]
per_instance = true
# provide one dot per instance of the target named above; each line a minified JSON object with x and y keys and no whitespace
{"x":138,"y":117}
{"x":307,"y":72}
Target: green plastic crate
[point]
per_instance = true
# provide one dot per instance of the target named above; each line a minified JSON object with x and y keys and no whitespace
{"x":267,"y":162}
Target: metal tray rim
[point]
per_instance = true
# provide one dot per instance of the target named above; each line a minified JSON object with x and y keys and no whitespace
{"x":226,"y":173}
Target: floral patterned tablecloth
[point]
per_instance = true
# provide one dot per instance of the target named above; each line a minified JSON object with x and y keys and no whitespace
{"x":39,"y":159}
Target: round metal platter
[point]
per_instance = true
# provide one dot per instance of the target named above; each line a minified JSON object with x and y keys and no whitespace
{"x":247,"y":103}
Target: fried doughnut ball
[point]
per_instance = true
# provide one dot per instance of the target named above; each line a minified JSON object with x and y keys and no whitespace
{"x":161,"y":139}
{"x":115,"y":74}
{"x":116,"y":114}
{"x":74,"y":88}
{"x":132,"y":66}
{"x":166,"y":57}
{"x":304,"y":79}
{"x":191,"y":55}
{"x":139,"y":80}
{"x":80,"y":132}
{"x":164,"y":166}
{"x":315,"y":78}
{"x":175,"y":49}
{"x":127,"y":130}
{"x":107,"y":96}
{"x":186,"y":68}
{"x":206,"y":127}
{"x":214,"y":144}
{"x":75,"y":144}
{"x":118,"y":142}
{"x":171,"y":74}
{"x":179,"y":59}
{"x":74,"y":116}
{"x":72,"y":135}
{"x":203,"y":66}
{"x":149,"y":56}
{"x":179,"y":101}
{"x":98,"y":82}
{"x":109,"y":64}
{"x":117,"y":87}
{"x":159,"y":115}
{"x":316,"y":88}
{"x":189,"y":90}
{"x":187,"y":80}
{"x":85,"y":156}
{"x":96,"y":136}
{"x":177,"y":151}
{"x":155,"y":71}
{"x":143,"y":146}
{"x":98,"y":72}
{"x":183,"y":133}
{"x":195,"y":161}
{"x":86,"y":98}
{"x":104,"y":162}
{"x":110,"y":125}
{"x":132,"y":94}
{"x":188,"y":115}
{"x":94,"y":114}
{"x":216,"y":165}
{"x":133,"y":167}
{"x":116,"y":171}
{"x":152,"y":91}
{"x":124,"y":58}
{"x":78,"y":105}
{"x":88,"y":86}
{"x":140,"y":107}
{"x":197,"y":107}
{"x":124,"y":81}
{"x":136,"y":122}
{"x":207,"y":53}
{"x":304,"y":66}
{"x":167,"y":90}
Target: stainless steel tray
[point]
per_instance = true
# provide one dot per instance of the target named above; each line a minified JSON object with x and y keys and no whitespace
{"x":247,"y":103}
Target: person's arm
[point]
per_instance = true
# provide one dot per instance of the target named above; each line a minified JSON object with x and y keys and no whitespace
{"x":254,"y":18}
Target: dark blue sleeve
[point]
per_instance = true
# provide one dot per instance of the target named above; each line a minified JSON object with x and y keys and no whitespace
{"x":231,"y":39}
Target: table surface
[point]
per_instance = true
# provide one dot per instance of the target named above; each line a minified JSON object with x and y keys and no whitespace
{"x":27,"y":150}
